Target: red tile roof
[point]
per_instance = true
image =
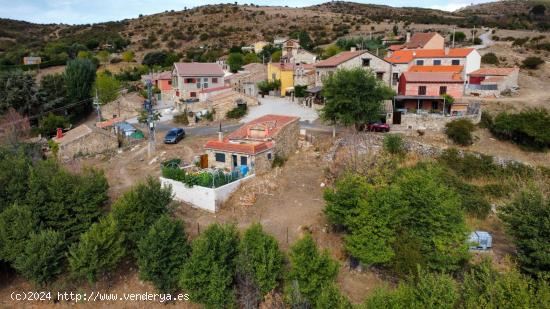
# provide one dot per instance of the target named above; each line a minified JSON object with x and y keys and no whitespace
{"x":436,"y":68}
{"x":432,"y":77}
{"x":395,"y":47}
{"x":419,"y":40}
{"x":246,"y":148}
{"x":274,"y":122}
{"x":109,"y":123}
{"x":198,"y":69}
{"x":339,"y":59}
{"x":493,"y":71}
{"x":407,"y":55}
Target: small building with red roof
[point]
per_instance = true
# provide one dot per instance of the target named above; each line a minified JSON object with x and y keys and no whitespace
{"x":421,"y":40}
{"x":255,"y":144}
{"x":192,"y":77}
{"x":492,"y":81}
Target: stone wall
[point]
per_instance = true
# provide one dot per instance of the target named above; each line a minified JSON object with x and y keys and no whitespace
{"x":432,"y":122}
{"x":93,"y":143}
{"x":286,"y":140}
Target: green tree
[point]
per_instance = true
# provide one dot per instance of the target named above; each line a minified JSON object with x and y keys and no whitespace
{"x":460,"y":131}
{"x":14,"y":175}
{"x":394,"y":144}
{"x":49,"y":124}
{"x":343,"y":200}
{"x":235,"y":61}
{"x":276,"y":56}
{"x":137,"y":209}
{"x":107,"y":87}
{"x":162,"y":254}
{"x":354,"y":97}
{"x":490,"y":58}
{"x":68,"y":203}
{"x":41,"y":259}
{"x":209,"y":273}
{"x":331,"y":298}
{"x":53,"y":91}
{"x":459,"y":36}
{"x":310,"y":270}
{"x":98,"y":252}
{"x":128,"y":56}
{"x":331,"y":50}
{"x":526,"y":220}
{"x":18,"y":90}
{"x":251,"y":58}
{"x":260,"y":257}
{"x":17,"y":224}
{"x":79,"y":78}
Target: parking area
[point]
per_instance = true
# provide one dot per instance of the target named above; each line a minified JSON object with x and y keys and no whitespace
{"x":280,"y":106}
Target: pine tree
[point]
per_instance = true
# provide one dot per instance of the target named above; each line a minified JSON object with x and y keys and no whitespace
{"x":209,"y":273}
{"x":17,"y":224}
{"x":41,"y":259}
{"x":162,"y":253}
{"x":99,"y":251}
{"x":310,"y":270}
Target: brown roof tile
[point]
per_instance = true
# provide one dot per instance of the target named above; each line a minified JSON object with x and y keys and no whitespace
{"x":198,"y":69}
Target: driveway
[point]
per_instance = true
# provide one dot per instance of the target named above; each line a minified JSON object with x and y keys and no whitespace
{"x":280,"y":106}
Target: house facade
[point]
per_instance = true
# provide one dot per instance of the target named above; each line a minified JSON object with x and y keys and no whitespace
{"x":246,"y":80}
{"x":426,"y":40}
{"x":353,"y":59}
{"x":492,"y":81}
{"x":188,"y":79}
{"x":292,"y":52}
{"x":255,"y":144}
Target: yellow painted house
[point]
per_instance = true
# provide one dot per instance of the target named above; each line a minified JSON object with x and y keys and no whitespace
{"x":283,"y":72}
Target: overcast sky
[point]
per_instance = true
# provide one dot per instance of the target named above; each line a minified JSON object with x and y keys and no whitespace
{"x":93,"y":11}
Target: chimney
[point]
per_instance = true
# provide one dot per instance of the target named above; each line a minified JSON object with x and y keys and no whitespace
{"x":353,"y":48}
{"x":408,"y":37}
{"x":220,"y":133}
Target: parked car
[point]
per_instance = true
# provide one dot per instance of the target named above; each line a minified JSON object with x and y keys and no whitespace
{"x":174,"y":136}
{"x":378,"y":127}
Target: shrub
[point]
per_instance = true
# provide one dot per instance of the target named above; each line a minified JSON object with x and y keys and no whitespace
{"x":460,"y":131}
{"x":99,"y":251}
{"x":17,"y":224}
{"x":162,"y":253}
{"x":41,"y":259}
{"x":486,"y":120}
{"x":181,"y":119}
{"x":490,"y":58}
{"x":527,"y":128}
{"x":394,"y":144}
{"x":237,"y":112}
{"x":532,"y":63}
{"x":209,"y":272}
{"x":50,"y":123}
{"x":343,"y":200}
{"x":278,"y":161}
{"x":331,"y":298}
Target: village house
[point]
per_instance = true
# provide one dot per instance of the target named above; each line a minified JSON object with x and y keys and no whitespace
{"x":292,"y":52}
{"x":255,"y":144}
{"x":85,"y":140}
{"x":403,"y":60}
{"x":188,"y":79}
{"x":291,"y":75}
{"x":246,"y":80}
{"x":353,"y":59}
{"x":492,"y":81}
{"x":161,"y":80}
{"x":419,"y":40}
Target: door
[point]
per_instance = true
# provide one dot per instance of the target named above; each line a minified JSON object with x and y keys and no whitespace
{"x":234,"y":160}
{"x":204,"y":161}
{"x":396,"y":118}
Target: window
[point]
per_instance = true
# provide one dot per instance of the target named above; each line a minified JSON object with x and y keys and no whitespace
{"x":437,"y":62}
{"x":435,"y":105}
{"x":214,"y":80}
{"x":455,"y":62}
{"x":244,"y":160}
{"x":205,"y":85}
{"x":419,"y":62}
{"x":189,"y":81}
{"x":169,"y":82}
{"x":442,"y":90}
{"x":395,"y":78}
{"x":193,"y":94}
{"x":220,"y":157}
{"x":366,"y":62}
{"x":422,"y":90}
{"x":273,"y":76}
{"x":380,"y":75}
{"x":269,"y":156}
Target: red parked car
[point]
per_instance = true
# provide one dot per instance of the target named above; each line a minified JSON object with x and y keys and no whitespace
{"x":378,"y":127}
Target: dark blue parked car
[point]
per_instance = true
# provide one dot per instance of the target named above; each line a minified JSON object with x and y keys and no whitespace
{"x":174,"y":136}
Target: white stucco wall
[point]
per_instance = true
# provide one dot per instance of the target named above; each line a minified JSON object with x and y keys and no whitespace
{"x":200,"y":197}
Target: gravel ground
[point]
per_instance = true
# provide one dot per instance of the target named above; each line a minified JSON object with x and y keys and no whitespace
{"x":280,"y":106}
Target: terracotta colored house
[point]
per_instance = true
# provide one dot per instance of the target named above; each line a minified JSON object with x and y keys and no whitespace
{"x":255,"y":144}
{"x":162,"y":80}
{"x":426,"y":90}
{"x":427,"y":40}
{"x":188,"y":79}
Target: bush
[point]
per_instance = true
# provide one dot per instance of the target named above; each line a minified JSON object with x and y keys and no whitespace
{"x":278,"y":161}
{"x":99,"y":251}
{"x":209,"y":272}
{"x":343,"y":200}
{"x":17,"y":224}
{"x":181,"y":119}
{"x":237,"y":112}
{"x":532,"y":62}
{"x":50,"y":123}
{"x":486,"y":121}
{"x":490,"y":58}
{"x":41,"y":259}
{"x":528,"y":128}
{"x":394,"y":144}
{"x":162,"y":254}
{"x":460,"y":131}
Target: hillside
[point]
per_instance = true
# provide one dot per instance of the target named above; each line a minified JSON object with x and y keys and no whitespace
{"x":215,"y":28}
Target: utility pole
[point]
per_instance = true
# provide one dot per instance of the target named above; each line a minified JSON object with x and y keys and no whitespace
{"x":454,"y":32}
{"x":96,"y":103}
{"x":150,"y":121}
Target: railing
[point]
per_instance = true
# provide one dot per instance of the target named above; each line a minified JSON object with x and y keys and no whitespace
{"x":482,"y":87}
